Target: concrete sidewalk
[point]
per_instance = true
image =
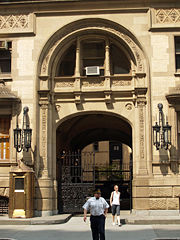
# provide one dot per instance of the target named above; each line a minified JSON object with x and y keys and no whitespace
{"x":76,"y":229}
{"x":55,"y":219}
{"x":126,"y":218}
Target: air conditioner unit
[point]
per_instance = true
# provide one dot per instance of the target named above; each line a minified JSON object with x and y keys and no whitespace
{"x":4,"y":45}
{"x":93,"y":70}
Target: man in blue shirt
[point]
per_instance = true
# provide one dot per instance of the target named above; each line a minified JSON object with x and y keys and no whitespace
{"x":98,"y":209}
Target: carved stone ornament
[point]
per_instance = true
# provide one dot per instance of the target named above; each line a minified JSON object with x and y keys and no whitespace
{"x":93,"y":83}
{"x":167,"y":15}
{"x":44,"y":132}
{"x":121,"y":83}
{"x":13,"y":21}
{"x":129,"y":106}
{"x":64,"y":84}
{"x":141,"y":130}
{"x":17,"y":23}
{"x":92,"y":26}
{"x":58,"y":107}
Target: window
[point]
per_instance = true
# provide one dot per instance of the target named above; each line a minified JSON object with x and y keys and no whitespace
{"x":67,"y":65}
{"x":115,"y":151}
{"x":4,"y":137}
{"x":93,"y":54}
{"x":19,"y":184}
{"x":177,"y":53}
{"x":5,"y":57}
{"x":119,"y":62}
{"x":95,"y":146}
{"x":98,"y":52}
{"x":116,"y":148}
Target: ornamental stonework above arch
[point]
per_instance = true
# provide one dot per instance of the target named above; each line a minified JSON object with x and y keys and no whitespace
{"x":167,"y":15}
{"x":87,"y":26}
{"x":17,"y":23}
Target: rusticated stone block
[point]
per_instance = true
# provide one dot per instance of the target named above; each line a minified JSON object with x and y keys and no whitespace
{"x":6,"y":192}
{"x":2,"y":190}
{"x":176,"y":191}
{"x":44,"y":204}
{"x":140,"y":203}
{"x":160,"y":191}
{"x":141,"y":192}
{"x":44,"y":192}
{"x":173,"y":203}
{"x":158,"y":203}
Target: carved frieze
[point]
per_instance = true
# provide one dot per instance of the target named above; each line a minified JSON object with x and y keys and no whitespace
{"x":14,"y":21}
{"x":63,"y":84}
{"x":44,"y":130}
{"x":121,"y":83}
{"x":93,"y":83}
{"x":141,"y":106}
{"x":17,"y":23}
{"x":167,"y":15}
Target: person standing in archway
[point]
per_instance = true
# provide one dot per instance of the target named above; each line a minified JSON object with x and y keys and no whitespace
{"x":98,"y":209}
{"x":115,"y":205}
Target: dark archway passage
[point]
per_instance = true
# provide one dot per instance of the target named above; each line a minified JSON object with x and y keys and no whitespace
{"x":78,"y":172}
{"x":79,"y":131}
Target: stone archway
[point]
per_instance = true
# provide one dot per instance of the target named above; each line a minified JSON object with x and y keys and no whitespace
{"x":78,"y":172}
{"x":83,"y":129}
{"x":59,"y":98}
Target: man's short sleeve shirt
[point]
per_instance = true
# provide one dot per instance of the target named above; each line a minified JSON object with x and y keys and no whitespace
{"x":96,"y":206}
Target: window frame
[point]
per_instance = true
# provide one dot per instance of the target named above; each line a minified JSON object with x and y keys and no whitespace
{"x":9,"y":49}
{"x":96,"y":38}
{"x":6,"y":147}
{"x":177,"y":53}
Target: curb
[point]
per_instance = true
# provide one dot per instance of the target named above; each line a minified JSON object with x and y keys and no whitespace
{"x":34,"y":221}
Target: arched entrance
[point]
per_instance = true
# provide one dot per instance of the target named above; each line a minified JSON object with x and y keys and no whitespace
{"x":92,"y":87}
{"x":80,"y":168}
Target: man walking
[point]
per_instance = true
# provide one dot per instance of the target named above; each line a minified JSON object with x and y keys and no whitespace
{"x":98,"y":209}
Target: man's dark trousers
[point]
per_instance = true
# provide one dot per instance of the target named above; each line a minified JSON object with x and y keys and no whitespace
{"x":98,"y":227}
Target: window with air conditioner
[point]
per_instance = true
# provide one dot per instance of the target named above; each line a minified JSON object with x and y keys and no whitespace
{"x":93,"y":57}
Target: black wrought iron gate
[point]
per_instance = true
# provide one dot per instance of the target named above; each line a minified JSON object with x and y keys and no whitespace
{"x":80,"y":174}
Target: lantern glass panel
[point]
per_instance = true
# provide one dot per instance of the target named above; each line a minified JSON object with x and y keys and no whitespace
{"x":156,"y":135}
{"x":27,"y":138}
{"x":17,"y":138}
{"x":167,"y":134}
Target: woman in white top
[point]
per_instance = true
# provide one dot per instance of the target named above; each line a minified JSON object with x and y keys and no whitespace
{"x":115,"y":205}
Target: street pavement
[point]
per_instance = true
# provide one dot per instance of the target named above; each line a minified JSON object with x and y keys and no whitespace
{"x":76,"y":229}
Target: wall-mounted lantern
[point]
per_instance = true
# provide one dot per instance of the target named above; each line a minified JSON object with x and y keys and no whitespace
{"x":161,"y":131}
{"x":22,"y":137}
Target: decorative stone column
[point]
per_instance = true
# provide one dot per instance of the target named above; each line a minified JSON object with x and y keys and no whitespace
{"x":142,"y":161}
{"x":77,"y":83}
{"x":108,"y":91}
{"x":45,"y":182}
{"x":140,"y":168}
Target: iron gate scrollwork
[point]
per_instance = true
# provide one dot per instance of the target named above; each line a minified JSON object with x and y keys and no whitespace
{"x":80,"y":174}
{"x":4,"y":202}
{"x":76,"y":185}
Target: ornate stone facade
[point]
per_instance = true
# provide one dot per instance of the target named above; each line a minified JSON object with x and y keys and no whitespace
{"x":70,"y":111}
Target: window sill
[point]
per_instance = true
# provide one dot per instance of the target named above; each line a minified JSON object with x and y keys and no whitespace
{"x":177,"y":74}
{"x":5,"y":163}
{"x":6,"y":77}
